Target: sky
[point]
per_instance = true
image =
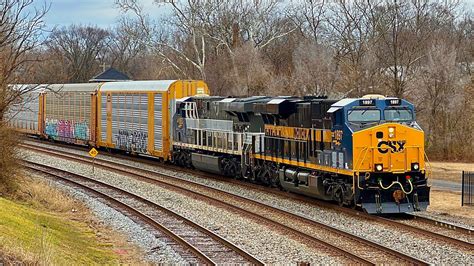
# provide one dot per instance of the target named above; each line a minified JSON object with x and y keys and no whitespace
{"x":103,"y":13}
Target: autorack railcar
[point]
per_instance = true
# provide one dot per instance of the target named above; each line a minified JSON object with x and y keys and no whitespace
{"x":132,"y":116}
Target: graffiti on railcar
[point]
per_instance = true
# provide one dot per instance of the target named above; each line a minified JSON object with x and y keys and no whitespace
{"x":65,"y":129}
{"x":132,"y":140}
{"x":81,"y":130}
{"x":51,"y":128}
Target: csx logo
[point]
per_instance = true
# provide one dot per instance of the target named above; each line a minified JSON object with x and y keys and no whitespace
{"x":392,"y":146}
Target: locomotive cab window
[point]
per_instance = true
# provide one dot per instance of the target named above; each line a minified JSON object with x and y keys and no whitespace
{"x":398,"y":114}
{"x":363,"y":115}
{"x":338,"y":117}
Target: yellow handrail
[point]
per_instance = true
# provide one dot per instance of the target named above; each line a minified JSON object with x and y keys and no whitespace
{"x":360,"y":162}
{"x":428,"y":172}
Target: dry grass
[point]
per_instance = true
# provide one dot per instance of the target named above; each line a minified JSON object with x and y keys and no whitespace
{"x":40,"y":194}
{"x":449,"y":204}
{"x":450,"y":171}
{"x":8,"y":160}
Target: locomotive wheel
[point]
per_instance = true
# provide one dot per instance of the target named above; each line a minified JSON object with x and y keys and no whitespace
{"x":187,"y":160}
{"x":230,"y":167}
{"x":268,"y":175}
{"x":339,"y":196}
{"x":273,"y":175}
{"x":225,"y":166}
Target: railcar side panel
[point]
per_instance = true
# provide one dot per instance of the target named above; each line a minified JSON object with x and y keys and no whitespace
{"x":136,"y":116}
{"x":158,"y":121}
{"x":26,"y":116}
{"x":68,"y":114}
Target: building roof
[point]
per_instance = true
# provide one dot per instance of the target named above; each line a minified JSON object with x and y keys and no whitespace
{"x":110,"y":74}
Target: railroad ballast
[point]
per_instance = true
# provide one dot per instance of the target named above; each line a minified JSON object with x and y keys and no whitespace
{"x":366,"y":152}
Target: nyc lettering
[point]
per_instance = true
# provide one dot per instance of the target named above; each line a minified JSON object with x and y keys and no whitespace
{"x":301,"y":133}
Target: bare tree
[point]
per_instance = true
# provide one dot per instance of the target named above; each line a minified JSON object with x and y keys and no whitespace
{"x":21,"y":26}
{"x":169,"y":45}
{"x":83,"y":47}
{"x":125,"y":45}
{"x":404,"y":30}
{"x":314,"y":69}
{"x":309,"y":16}
{"x":445,"y":96}
{"x":350,"y":33}
{"x":203,"y":29}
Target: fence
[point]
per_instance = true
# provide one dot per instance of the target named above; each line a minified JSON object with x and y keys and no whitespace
{"x":467,"y":197}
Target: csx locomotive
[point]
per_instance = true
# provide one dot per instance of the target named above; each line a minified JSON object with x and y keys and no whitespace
{"x":366,"y":152}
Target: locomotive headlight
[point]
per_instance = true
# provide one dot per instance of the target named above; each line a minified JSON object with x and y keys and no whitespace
{"x":391,"y":132}
{"x":378,"y":167}
{"x":415,"y":167}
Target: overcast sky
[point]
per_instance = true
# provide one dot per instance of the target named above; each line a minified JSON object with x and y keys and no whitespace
{"x":103,"y":13}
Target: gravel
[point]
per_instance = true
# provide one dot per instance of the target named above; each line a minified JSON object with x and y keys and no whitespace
{"x":406,"y":242}
{"x":156,"y":250}
{"x":268,"y":245}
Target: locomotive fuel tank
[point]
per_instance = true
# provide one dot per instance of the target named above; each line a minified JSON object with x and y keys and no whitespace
{"x":207,"y":163}
{"x":303,"y":182}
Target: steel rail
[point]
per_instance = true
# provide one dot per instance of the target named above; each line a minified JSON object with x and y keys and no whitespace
{"x":199,"y":254}
{"x":442,"y":224}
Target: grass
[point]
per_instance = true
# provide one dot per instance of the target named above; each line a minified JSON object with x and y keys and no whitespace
{"x":42,"y":225}
{"x":48,"y":238}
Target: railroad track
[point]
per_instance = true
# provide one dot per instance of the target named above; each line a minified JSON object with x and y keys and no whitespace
{"x":346,"y":247}
{"x":458,"y":236}
{"x":461,"y":233}
{"x":192,"y":242}
{"x":432,"y":229}
{"x":455,"y":235}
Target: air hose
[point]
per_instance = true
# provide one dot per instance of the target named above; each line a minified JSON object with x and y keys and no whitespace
{"x":401,"y":186}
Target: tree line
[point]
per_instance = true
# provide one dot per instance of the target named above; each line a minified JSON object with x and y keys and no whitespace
{"x":419,"y":50}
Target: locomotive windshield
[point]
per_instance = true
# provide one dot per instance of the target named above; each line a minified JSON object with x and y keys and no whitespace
{"x":363,"y":115}
{"x":398,"y":114}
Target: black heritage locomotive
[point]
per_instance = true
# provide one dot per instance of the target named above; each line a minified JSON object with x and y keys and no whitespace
{"x":366,"y":152}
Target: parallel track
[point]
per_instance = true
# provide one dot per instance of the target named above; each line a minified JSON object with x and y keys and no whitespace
{"x":432,"y":228}
{"x":193,"y":242}
{"x":349,"y":248}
